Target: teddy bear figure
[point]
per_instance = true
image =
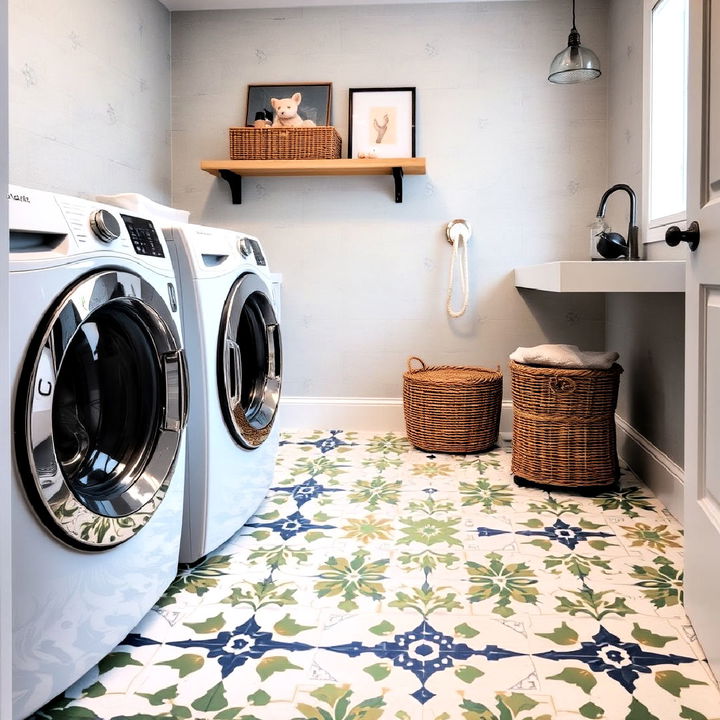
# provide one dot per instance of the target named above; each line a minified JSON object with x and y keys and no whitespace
{"x":286,"y":112}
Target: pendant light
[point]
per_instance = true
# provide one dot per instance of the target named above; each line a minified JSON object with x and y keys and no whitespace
{"x":575,"y":63}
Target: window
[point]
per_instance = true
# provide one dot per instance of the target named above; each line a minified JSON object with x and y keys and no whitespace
{"x":666,"y":173}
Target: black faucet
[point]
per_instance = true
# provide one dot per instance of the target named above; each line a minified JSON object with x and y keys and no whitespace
{"x":629,"y":247}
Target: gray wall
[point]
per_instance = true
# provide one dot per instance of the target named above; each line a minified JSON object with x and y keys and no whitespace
{"x":5,"y":507}
{"x":90,"y":96}
{"x":365,"y":279}
{"x":647,"y":330}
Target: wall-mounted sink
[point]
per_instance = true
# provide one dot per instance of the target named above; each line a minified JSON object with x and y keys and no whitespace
{"x":604,"y":276}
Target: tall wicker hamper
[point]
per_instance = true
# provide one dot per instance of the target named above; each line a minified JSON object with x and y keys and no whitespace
{"x":451,"y":409}
{"x":564,"y":426}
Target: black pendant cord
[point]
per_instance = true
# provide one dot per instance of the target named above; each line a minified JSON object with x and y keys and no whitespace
{"x":574,"y":37}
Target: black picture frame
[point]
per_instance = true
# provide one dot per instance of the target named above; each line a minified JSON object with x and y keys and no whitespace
{"x":315,"y":104}
{"x":376,"y":104}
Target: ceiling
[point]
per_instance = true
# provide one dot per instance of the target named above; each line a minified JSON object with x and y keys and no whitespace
{"x":247,"y":4}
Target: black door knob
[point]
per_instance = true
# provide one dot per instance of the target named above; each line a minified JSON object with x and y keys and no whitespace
{"x":674,"y":235}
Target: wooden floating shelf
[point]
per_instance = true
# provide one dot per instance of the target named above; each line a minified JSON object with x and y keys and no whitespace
{"x":232,"y":171}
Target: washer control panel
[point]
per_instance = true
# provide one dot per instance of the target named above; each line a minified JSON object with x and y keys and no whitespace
{"x":143,"y":236}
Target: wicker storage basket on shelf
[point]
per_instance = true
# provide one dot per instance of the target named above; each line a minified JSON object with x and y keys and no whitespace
{"x":320,"y":142}
{"x":451,"y":409}
{"x":564,"y":425}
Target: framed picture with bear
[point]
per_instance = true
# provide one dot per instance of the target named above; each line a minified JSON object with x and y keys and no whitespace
{"x":288,"y":105}
{"x":382,"y":122}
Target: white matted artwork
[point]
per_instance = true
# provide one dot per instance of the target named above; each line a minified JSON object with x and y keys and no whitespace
{"x":382,"y":122}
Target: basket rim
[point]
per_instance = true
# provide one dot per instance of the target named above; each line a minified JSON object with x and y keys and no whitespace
{"x":532,"y":369}
{"x":264,"y":129}
{"x":465,"y":373}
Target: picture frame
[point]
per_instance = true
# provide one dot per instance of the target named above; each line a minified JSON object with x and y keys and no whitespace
{"x":315,"y":104}
{"x":381,"y":122}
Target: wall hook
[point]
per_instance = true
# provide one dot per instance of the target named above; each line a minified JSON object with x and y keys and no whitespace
{"x":456,"y":228}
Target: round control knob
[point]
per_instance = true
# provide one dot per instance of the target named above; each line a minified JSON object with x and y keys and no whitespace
{"x":242,"y":246}
{"x":105,"y":226}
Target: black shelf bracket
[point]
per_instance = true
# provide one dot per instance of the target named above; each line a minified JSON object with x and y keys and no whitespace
{"x":235,"y":182}
{"x":398,"y":175}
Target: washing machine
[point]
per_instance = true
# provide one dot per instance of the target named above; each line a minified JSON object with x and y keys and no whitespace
{"x":232,"y":330}
{"x":100,"y":403}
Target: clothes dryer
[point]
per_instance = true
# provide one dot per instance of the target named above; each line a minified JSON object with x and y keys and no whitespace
{"x":99,"y":409}
{"x":231,"y":326}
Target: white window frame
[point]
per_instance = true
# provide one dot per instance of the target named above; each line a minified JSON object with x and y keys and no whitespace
{"x":655,"y":231}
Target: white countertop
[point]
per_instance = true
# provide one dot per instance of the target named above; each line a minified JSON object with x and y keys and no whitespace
{"x":604,"y":276}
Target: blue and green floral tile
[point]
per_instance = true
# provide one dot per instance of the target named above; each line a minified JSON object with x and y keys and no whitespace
{"x":649,"y":538}
{"x":635,"y":598}
{"x":542,"y":535}
{"x":573,"y":567}
{"x":594,"y":661}
{"x":379,"y":581}
{"x":424,"y":655}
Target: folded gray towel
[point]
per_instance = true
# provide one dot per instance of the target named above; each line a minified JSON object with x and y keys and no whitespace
{"x":567,"y":356}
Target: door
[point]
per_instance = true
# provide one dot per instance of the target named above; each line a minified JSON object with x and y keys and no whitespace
{"x":249,"y":361}
{"x":702,"y":342}
{"x":100,"y":408}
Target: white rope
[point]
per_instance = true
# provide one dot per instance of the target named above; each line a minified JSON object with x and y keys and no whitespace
{"x":465,"y":285}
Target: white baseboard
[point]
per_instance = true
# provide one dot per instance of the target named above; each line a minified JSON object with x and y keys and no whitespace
{"x":351,"y":413}
{"x":661,"y":474}
{"x":506,"y":420}
{"x":356,"y":413}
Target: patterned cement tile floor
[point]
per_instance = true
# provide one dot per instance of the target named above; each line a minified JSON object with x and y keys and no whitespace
{"x":377,"y":581}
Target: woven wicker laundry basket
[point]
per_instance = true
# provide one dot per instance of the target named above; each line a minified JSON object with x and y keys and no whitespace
{"x":564,"y":425}
{"x":451,"y":409}
{"x":291,"y":143}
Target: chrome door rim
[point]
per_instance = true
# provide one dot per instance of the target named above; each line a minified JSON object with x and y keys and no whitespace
{"x":98,"y":525}
{"x":249,"y":415}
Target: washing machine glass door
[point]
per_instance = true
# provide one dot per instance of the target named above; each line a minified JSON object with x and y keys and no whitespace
{"x":100,"y":409}
{"x":249,"y":361}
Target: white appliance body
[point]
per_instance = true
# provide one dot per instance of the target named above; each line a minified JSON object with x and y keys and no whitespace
{"x":99,"y":408}
{"x":234,"y":358}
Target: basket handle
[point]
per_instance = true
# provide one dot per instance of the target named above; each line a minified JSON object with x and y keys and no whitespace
{"x":488,"y":370}
{"x":561,"y":385}
{"x":423,"y":366}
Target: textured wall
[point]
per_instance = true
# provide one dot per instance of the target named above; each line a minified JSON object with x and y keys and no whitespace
{"x":90,"y":96}
{"x":5,"y":505}
{"x":365,"y":279}
{"x":647,"y":330}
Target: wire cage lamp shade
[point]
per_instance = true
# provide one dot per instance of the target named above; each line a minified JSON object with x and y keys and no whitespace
{"x":575,"y":63}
